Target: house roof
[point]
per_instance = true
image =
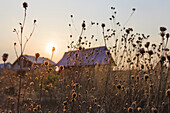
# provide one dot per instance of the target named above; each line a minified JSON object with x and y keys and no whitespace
{"x":6,"y":64}
{"x":91,"y":56}
{"x":40,"y":60}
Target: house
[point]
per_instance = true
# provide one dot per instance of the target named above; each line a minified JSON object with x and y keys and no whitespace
{"x":30,"y":62}
{"x":87,"y":57}
{"x":93,"y":63}
{"x":6,"y":65}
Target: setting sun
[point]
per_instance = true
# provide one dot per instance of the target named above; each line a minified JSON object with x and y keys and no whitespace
{"x":50,"y":46}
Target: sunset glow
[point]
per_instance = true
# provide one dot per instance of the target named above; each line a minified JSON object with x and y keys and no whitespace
{"x":50,"y":46}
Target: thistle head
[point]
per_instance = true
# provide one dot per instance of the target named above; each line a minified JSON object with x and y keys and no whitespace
{"x":147,"y":44}
{"x":35,"y":21}
{"x":61,"y":68}
{"x":37,"y":55}
{"x":103,"y":25}
{"x":25,"y":5}
{"x":133,"y":9}
{"x":163,"y":29}
{"x":46,"y":63}
{"x":83,"y":25}
{"x":168,"y":57}
{"x":150,"y":52}
{"x":142,"y":51}
{"x":53,"y":49}
{"x":168,"y":93}
{"x":5,"y":57}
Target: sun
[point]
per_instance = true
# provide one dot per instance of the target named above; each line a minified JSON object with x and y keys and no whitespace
{"x":50,"y":46}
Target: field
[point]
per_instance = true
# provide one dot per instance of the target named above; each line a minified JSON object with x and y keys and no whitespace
{"x":85,"y":89}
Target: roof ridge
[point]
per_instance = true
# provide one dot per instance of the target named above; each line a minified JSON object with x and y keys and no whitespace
{"x":34,"y":56}
{"x":89,"y":48}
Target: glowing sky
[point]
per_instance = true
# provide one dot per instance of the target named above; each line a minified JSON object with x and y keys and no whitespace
{"x":53,"y":17}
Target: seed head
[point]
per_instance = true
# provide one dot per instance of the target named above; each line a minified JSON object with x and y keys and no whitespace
{"x":162,"y":34}
{"x":25,"y":105}
{"x":35,"y":21}
{"x":168,"y":57}
{"x":37,"y":55}
{"x":146,"y":77}
{"x":119,"y":86}
{"x":53,"y":49}
{"x":142,"y":66}
{"x":139,"y":109}
{"x":130,"y":109}
{"x":74,"y":95}
{"x":103,"y":25}
{"x":107,"y":53}
{"x":133,"y":9}
{"x":76,"y":55}
{"x":154,"y":110}
{"x":83,"y":24}
{"x":25,"y":5}
{"x":113,"y":8}
{"x":167,"y":35}
{"x":61,"y":67}
{"x":39,"y":107}
{"x":65,"y":103}
{"x":113,"y":16}
{"x":80,"y":48}
{"x":14,"y":30}
{"x":163,"y":58}
{"x":31,"y":83}
{"x":163,"y":29}
{"x":132,"y":76}
{"x":46,"y":63}
{"x":142,"y":51}
{"x":137,"y":77}
{"x":127,"y":31}
{"x":5,"y":57}
{"x":150,"y":52}
{"x":147,"y":44}
{"x":34,"y":109}
{"x":168,"y":93}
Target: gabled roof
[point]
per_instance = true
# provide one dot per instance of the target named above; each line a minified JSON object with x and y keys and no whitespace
{"x":40,"y":60}
{"x":91,"y":56}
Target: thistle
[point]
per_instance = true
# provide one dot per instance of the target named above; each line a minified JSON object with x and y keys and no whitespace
{"x":25,"y":5}
{"x":37,"y":55}
{"x":5,"y":57}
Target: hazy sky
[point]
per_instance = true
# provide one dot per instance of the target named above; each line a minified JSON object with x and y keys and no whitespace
{"x":53,"y":18}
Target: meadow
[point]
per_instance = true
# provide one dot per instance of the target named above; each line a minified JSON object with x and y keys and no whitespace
{"x":138,"y":83}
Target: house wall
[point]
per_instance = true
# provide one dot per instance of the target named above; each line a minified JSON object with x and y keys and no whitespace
{"x":16,"y":66}
{"x":6,"y":66}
